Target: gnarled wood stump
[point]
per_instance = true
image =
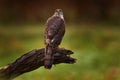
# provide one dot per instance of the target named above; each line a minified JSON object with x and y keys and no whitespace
{"x":33,"y":60}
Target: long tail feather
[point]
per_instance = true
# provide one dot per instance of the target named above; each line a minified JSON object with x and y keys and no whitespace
{"x":48,"y":57}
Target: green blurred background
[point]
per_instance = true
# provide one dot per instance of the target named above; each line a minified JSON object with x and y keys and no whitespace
{"x":92,"y":32}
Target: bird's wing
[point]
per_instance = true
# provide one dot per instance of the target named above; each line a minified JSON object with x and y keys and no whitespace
{"x":54,"y":30}
{"x":56,"y":40}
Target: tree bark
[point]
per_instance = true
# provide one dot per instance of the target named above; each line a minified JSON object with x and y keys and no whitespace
{"x":33,"y":60}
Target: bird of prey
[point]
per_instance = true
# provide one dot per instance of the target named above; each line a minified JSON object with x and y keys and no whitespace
{"x":54,"y":32}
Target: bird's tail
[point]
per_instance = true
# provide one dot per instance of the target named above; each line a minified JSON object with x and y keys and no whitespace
{"x":48,"y":57}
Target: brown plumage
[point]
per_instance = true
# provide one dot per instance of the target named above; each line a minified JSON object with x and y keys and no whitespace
{"x":54,"y":32}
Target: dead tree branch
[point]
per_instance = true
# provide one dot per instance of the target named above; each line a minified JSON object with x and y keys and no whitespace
{"x":33,"y":60}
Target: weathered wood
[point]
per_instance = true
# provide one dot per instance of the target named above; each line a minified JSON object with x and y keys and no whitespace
{"x":33,"y":60}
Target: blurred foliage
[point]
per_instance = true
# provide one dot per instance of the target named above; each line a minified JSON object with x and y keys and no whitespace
{"x":36,"y":11}
{"x":96,"y":47}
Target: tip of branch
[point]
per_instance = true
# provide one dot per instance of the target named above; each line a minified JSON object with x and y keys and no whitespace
{"x":63,"y":56}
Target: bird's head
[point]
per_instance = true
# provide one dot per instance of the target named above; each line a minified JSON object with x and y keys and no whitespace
{"x":59,"y":13}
